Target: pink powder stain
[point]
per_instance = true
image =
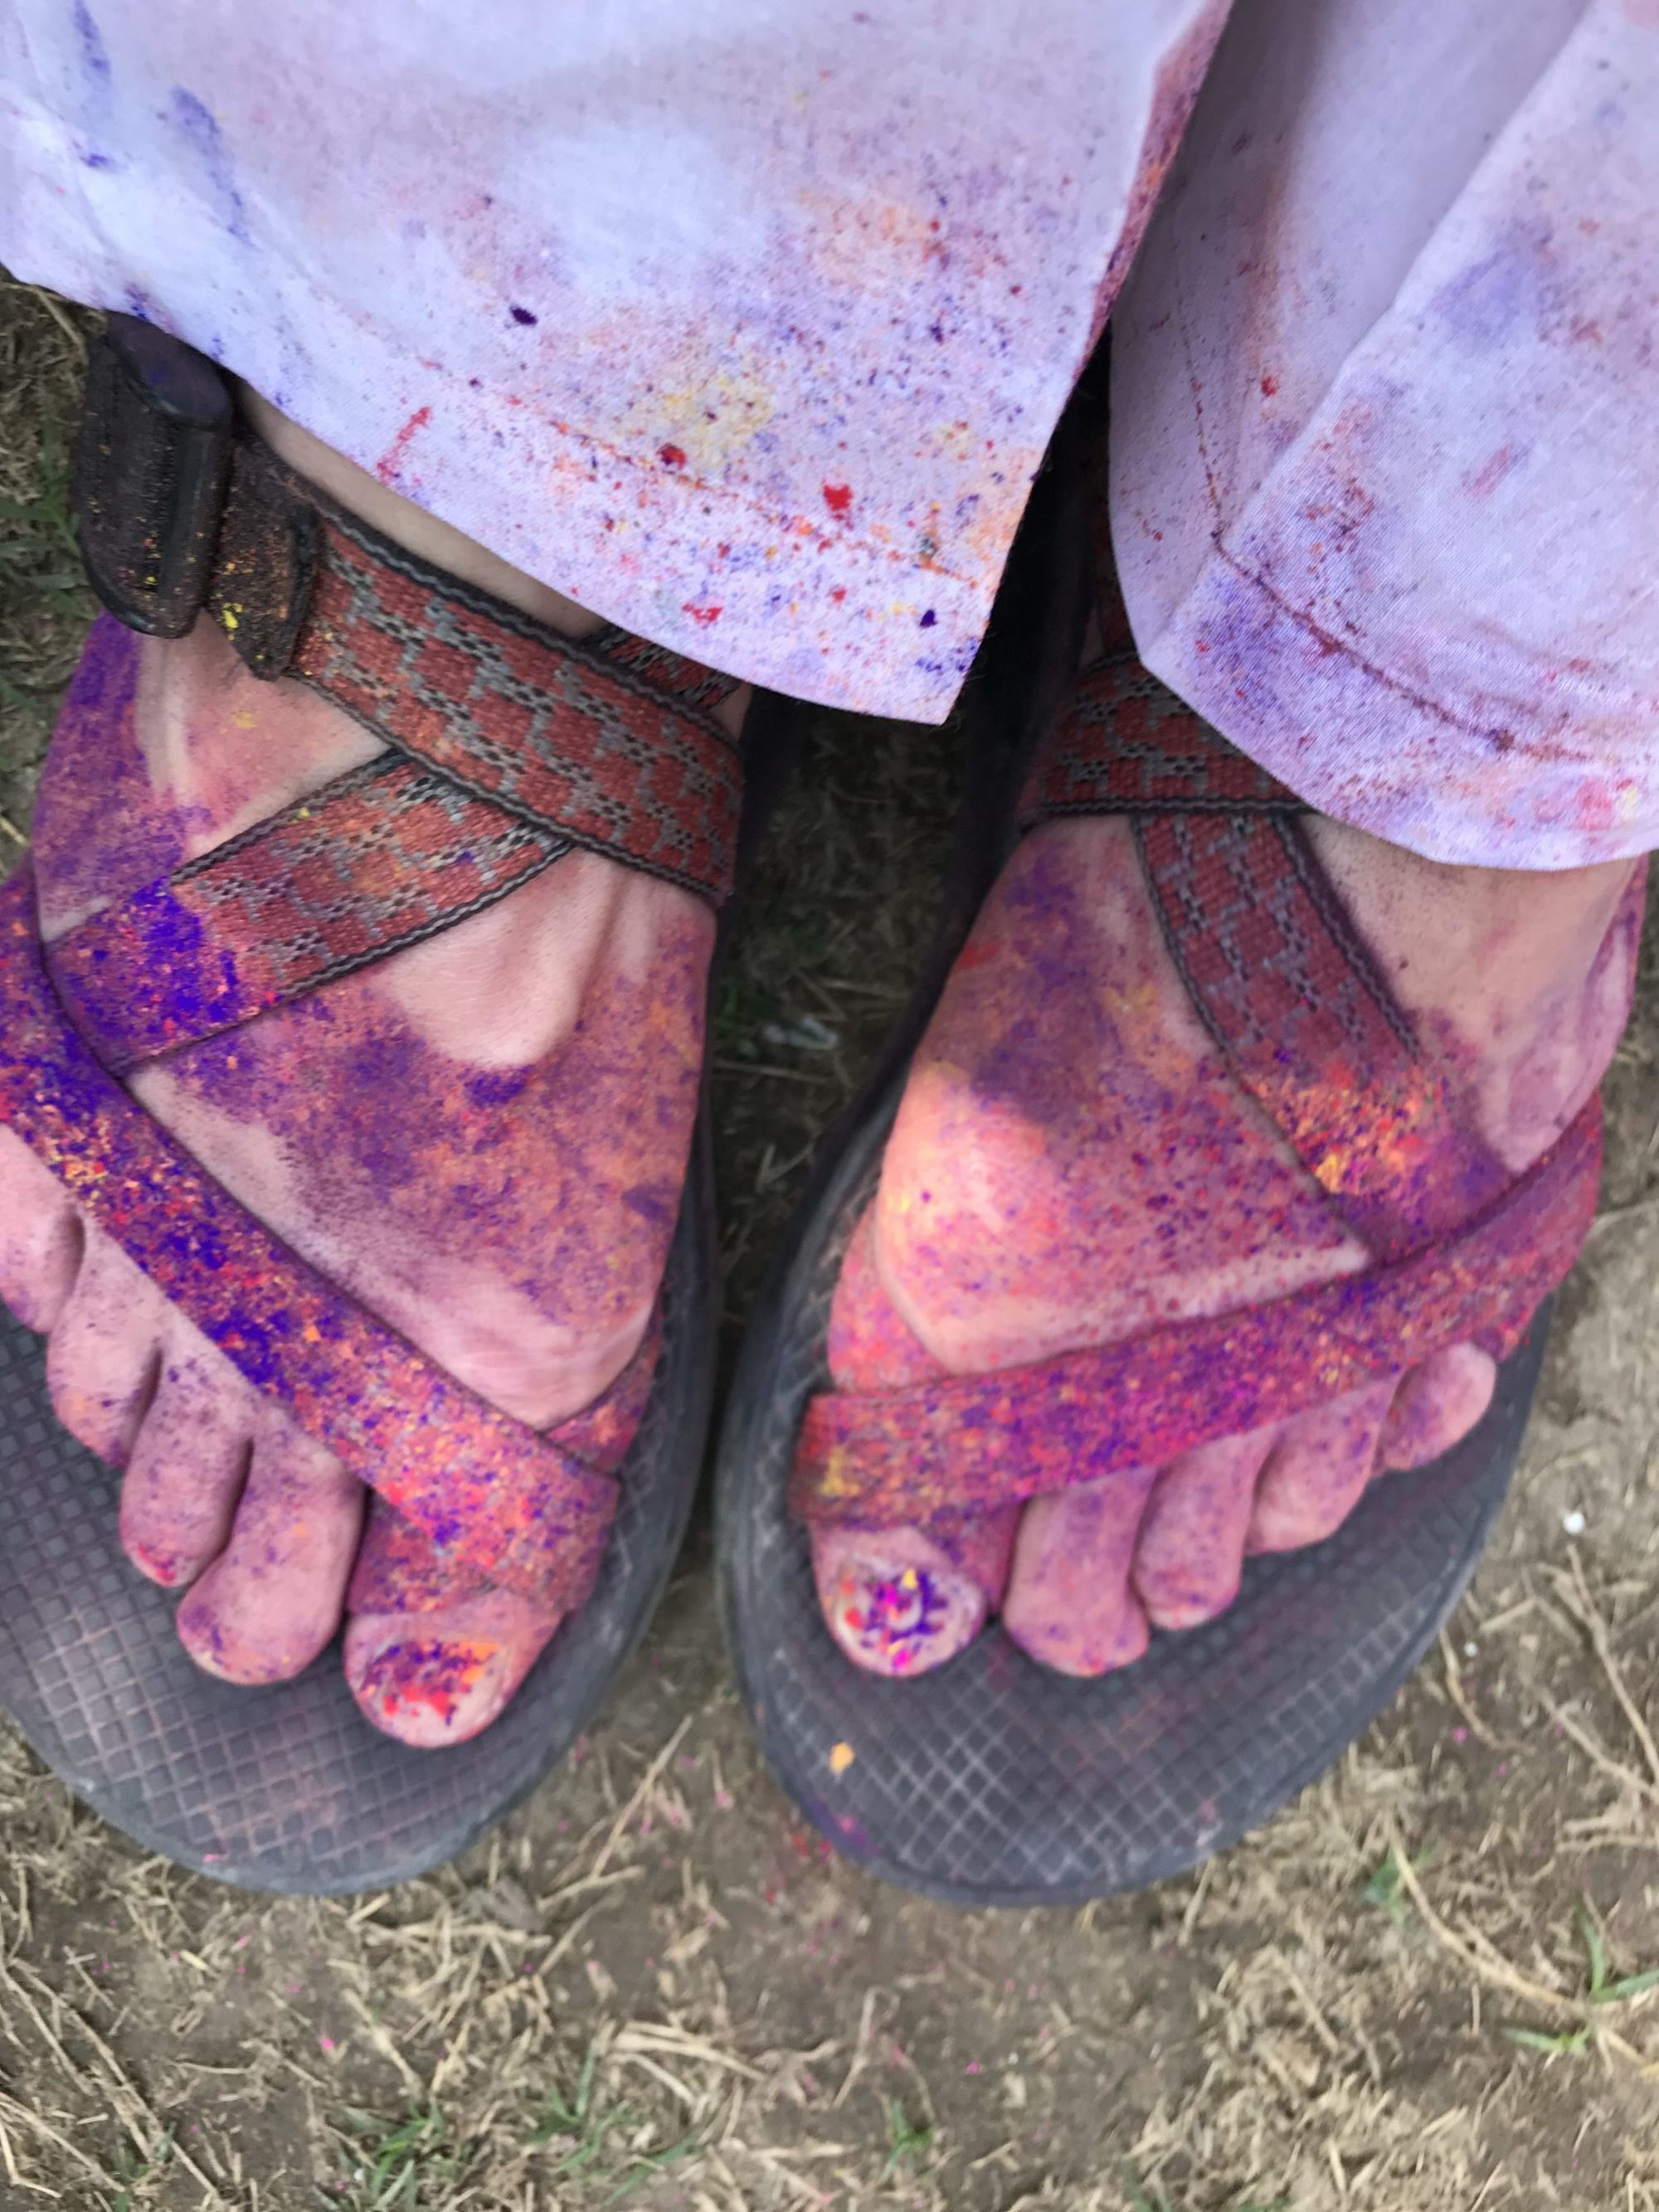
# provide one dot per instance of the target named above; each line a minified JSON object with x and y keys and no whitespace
{"x":702,"y":614}
{"x":389,"y":465}
{"x":1481,"y":483}
{"x":838,"y":498}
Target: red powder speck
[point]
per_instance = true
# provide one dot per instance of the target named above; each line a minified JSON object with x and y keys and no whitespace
{"x":1269,"y":386}
{"x":704,"y":615}
{"x":838,"y":594}
{"x":672,"y":457}
{"x":838,"y":498}
{"x":391,"y":460}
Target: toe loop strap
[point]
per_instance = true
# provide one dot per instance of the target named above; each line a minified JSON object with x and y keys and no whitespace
{"x":976,"y":1442}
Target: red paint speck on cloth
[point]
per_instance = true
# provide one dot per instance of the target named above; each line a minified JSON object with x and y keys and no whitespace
{"x":390,"y":462}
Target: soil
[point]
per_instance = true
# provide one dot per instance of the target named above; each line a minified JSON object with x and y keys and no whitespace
{"x":654,"y":1987}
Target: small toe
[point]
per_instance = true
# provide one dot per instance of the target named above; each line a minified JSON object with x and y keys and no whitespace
{"x":40,"y":1238}
{"x":439,"y":1676}
{"x":103,"y":1354}
{"x":1190,"y":1553}
{"x":1318,"y":1469}
{"x":187,"y":1466}
{"x":1070,"y":1605}
{"x":269,"y":1602}
{"x":903,"y":1601}
{"x":1436,"y":1404}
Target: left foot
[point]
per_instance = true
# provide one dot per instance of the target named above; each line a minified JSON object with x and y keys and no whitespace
{"x":1073,"y":1165}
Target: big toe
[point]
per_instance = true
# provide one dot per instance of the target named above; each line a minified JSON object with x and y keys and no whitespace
{"x":901,"y":1601}
{"x":441,"y":1676}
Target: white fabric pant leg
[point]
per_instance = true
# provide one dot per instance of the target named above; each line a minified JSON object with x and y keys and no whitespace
{"x":1385,"y":418}
{"x":744,"y":323}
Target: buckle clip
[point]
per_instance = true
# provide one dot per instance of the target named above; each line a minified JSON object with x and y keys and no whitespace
{"x":150,"y":466}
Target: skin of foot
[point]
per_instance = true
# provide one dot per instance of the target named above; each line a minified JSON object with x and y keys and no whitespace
{"x":482,"y":1139}
{"x":1072,"y":1164}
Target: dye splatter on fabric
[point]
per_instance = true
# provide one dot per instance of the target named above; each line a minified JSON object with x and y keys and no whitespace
{"x":742,"y":324}
{"x":1383,"y":391}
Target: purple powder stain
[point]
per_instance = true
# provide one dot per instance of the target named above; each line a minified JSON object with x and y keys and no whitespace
{"x":197,"y":125}
{"x":93,"y":50}
{"x":523,"y":315}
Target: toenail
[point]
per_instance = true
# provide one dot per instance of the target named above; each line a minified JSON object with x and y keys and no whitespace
{"x":902,"y":1622}
{"x":425,"y":1678}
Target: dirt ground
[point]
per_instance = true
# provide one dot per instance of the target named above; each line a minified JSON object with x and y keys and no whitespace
{"x":1425,"y":1988}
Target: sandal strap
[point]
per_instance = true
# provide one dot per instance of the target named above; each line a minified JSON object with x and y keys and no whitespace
{"x":500,"y":1501}
{"x":970,"y":1443}
{"x":510,"y":744}
{"x":608,"y":741}
{"x":385,"y":857}
{"x":1285,"y":985}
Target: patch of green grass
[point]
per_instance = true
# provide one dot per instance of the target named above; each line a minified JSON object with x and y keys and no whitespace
{"x":1604,"y":1989}
{"x":131,"y":2169}
{"x":395,"y":2169}
{"x":908,"y":2142}
{"x":1385,"y":1886}
{"x":585,"y":2130}
{"x":1601,"y":1990}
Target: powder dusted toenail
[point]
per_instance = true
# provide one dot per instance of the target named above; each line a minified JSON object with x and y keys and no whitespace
{"x":892,"y":1618}
{"x":417,"y":1676}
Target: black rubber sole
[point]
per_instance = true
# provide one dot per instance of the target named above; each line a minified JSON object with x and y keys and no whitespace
{"x":289,"y":1788}
{"x":994,"y":1781}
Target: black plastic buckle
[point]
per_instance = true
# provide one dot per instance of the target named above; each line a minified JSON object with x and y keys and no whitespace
{"x":151,"y":466}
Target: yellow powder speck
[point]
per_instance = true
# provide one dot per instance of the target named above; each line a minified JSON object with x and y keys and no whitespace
{"x":841,"y":1758}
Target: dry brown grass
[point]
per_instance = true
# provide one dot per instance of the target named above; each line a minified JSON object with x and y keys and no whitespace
{"x":653,"y":1988}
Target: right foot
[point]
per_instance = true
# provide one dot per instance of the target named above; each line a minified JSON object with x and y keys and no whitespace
{"x":1073,"y":1165}
{"x":482,"y":1139}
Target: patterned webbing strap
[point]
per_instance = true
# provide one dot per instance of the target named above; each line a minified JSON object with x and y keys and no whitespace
{"x":510,"y":744}
{"x":1286,"y":988}
{"x":969,"y":1443}
{"x":1293,"y":998}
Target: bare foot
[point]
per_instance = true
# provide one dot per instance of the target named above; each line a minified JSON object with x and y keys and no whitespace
{"x":1072,"y":1163}
{"x":482,"y":1139}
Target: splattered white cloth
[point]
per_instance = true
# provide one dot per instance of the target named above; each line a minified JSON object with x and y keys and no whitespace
{"x":744,"y":323}
{"x":1386,"y":418}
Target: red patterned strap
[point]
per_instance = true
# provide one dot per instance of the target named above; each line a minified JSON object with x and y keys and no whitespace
{"x":385,"y":856}
{"x":606,"y":740}
{"x":499,"y":1502}
{"x":1282,"y":981}
{"x":511,"y":744}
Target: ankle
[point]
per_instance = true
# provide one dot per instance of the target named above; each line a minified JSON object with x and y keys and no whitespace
{"x":1522,"y":981}
{"x":411,"y":525}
